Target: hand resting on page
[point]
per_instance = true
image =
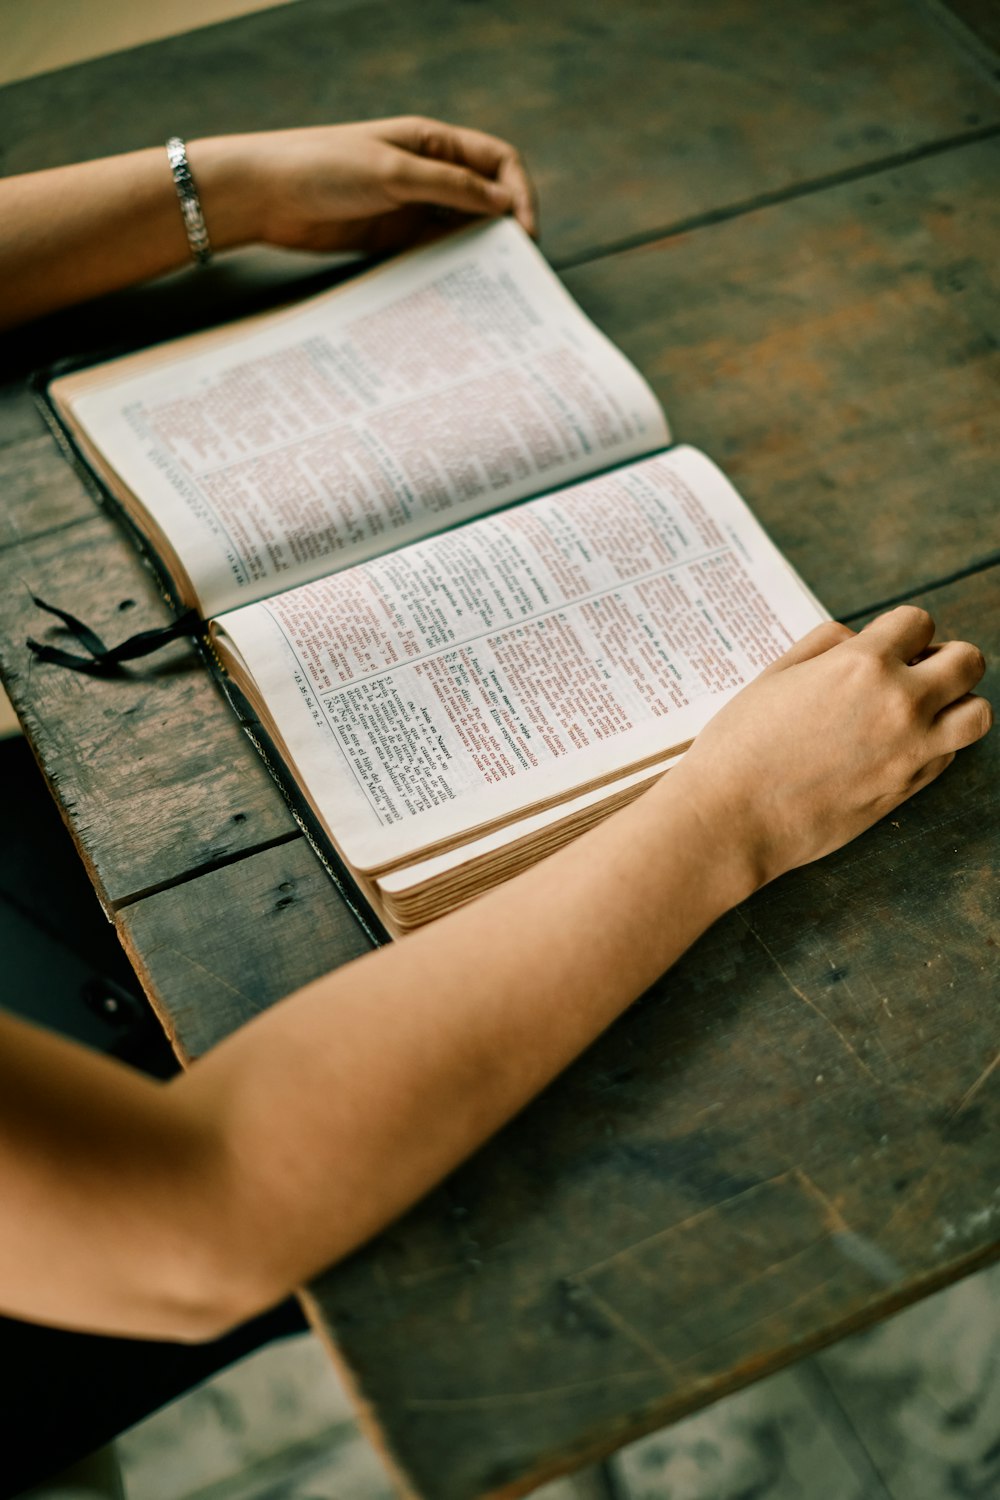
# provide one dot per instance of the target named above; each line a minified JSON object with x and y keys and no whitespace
{"x":836,"y":734}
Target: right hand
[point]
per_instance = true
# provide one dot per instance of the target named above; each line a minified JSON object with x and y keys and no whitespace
{"x":834,"y":735}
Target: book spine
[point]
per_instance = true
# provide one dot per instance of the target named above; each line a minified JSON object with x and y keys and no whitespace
{"x":315,"y":836}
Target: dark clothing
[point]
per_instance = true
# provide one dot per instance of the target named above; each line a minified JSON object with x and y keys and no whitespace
{"x":64,"y":1394}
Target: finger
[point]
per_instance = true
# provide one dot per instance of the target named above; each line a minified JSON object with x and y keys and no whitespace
{"x":514,"y":176}
{"x":492,"y":157}
{"x":948,"y":671}
{"x":821,"y":638}
{"x":962,"y":723}
{"x":903,"y":632}
{"x":487,"y":155}
{"x":414,"y":179}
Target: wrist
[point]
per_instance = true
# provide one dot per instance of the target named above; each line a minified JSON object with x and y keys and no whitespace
{"x":230,"y":192}
{"x":735,"y":862}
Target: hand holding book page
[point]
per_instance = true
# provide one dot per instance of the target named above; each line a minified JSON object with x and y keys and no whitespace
{"x":376,"y":185}
{"x":448,"y":383}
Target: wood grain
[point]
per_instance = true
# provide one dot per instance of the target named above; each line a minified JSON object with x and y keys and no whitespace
{"x":39,"y":490}
{"x":791,"y":1135}
{"x":19,"y":416}
{"x":151,"y":770}
{"x":214,"y":951}
{"x":632,"y":117}
{"x":840,"y":357}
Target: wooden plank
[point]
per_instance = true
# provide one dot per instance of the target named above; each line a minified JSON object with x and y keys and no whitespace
{"x":215,"y":951}
{"x":791,"y":1135}
{"x":839,"y":356}
{"x":39,"y":490}
{"x":19,"y":416}
{"x":151,"y":770}
{"x":632,"y":117}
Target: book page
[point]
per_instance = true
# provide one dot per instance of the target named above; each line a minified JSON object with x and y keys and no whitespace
{"x":448,"y":382}
{"x":491,"y":670}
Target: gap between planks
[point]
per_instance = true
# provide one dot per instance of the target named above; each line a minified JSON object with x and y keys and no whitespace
{"x":790,"y":194}
{"x":209,"y":867}
{"x":983,"y":566}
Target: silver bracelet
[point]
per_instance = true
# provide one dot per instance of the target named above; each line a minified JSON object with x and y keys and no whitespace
{"x":187,"y":196}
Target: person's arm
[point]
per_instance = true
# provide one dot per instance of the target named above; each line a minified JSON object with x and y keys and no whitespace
{"x":175,"y":1210}
{"x":76,"y":232}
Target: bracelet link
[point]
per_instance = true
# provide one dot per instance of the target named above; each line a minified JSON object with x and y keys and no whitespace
{"x":190,"y":203}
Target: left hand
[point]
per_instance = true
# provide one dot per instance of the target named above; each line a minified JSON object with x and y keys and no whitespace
{"x":370,"y":186}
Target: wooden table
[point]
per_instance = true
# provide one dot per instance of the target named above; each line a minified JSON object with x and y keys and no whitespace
{"x":787,"y":215}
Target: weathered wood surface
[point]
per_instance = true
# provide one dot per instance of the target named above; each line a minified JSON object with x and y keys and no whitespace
{"x":632,"y":116}
{"x":840,"y":357}
{"x":39,"y":491}
{"x":19,"y":416}
{"x":151,"y":770}
{"x":214,"y":951}
{"x":793,"y":1134}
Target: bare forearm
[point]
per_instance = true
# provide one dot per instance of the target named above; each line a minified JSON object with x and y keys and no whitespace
{"x":101,"y":1223}
{"x":80,"y":231}
{"x":396,"y":1068}
{"x":198,"y":1203}
{"x":352,"y":1099}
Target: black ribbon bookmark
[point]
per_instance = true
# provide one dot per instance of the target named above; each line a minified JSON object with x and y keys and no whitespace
{"x":104,"y":658}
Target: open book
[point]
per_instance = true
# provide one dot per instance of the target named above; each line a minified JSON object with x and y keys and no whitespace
{"x":451,"y":697}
